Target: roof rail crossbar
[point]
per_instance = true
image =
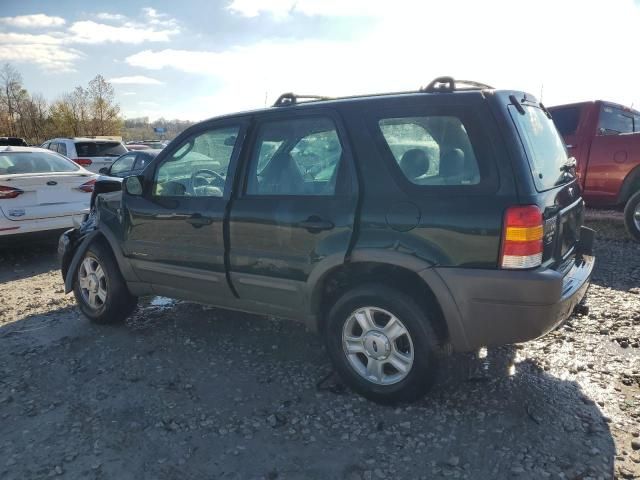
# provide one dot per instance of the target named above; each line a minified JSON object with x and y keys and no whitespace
{"x":449,"y":84}
{"x":291,"y":99}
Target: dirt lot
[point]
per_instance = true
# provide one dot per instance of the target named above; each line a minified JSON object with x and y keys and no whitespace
{"x":186,"y":391}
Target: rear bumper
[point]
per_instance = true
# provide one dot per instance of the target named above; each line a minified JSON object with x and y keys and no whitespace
{"x":10,"y":228}
{"x":499,"y":307}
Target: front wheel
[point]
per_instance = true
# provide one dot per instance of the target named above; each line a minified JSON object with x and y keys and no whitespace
{"x":381,"y":344}
{"x":100,"y":290}
{"x":632,"y":216}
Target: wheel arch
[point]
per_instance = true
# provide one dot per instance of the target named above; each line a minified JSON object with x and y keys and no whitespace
{"x":630,"y":185}
{"x":397,"y":274}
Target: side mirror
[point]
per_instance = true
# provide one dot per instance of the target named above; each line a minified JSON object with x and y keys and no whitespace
{"x":104,"y":171}
{"x":133,"y":185}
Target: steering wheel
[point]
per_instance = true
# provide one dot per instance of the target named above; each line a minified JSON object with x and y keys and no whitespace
{"x":218,"y":179}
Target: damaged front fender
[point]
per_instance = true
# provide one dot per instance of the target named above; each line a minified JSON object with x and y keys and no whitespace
{"x":72,"y":246}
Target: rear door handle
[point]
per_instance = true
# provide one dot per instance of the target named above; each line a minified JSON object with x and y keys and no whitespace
{"x":197,"y":220}
{"x":315,"y":224}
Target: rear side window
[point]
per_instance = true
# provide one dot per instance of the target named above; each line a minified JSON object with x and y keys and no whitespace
{"x":432,"y":150}
{"x":614,"y":121}
{"x":100,"y":149}
{"x":566,"y":119}
{"x":34,"y":162}
{"x":636,"y":123}
{"x":544,"y":147}
{"x":62,"y":149}
{"x":300,"y":156}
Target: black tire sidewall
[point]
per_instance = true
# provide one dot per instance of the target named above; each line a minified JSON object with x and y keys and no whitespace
{"x":629,"y":210}
{"x":414,"y":318}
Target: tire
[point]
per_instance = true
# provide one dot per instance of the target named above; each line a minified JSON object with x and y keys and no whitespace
{"x":103,"y":298}
{"x":388,"y":385}
{"x":632,"y":216}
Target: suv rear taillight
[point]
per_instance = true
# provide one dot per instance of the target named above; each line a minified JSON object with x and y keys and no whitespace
{"x":87,"y":186}
{"x":522,"y":238}
{"x":85,"y":162}
{"x":9,"y":192}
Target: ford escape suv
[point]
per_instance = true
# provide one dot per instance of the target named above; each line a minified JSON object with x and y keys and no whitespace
{"x":399,"y":226}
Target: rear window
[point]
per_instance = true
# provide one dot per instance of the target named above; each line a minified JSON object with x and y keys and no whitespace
{"x":566,"y":119}
{"x":432,"y":150}
{"x":100,"y":149}
{"x":34,"y":162}
{"x":544,"y":147}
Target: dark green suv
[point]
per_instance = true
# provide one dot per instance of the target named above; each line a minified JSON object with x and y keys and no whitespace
{"x":399,"y":226}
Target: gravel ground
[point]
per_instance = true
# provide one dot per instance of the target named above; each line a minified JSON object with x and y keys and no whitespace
{"x":186,"y":391}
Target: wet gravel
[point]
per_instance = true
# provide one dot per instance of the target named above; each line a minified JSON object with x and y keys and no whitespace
{"x":186,"y":391}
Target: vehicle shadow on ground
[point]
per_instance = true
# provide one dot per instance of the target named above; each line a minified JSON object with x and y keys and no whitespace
{"x":199,"y":392}
{"x":27,"y":259}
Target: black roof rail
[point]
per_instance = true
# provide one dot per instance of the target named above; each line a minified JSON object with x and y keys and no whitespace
{"x":449,"y":84}
{"x":287,"y":99}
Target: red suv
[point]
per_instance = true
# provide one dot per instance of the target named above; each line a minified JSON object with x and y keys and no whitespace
{"x":605,"y":140}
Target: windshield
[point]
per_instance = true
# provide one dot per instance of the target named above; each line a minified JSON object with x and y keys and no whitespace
{"x":100,"y":149}
{"x":34,"y":162}
{"x":544,"y":147}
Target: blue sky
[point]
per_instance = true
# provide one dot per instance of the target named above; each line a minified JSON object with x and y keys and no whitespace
{"x":195,"y":59}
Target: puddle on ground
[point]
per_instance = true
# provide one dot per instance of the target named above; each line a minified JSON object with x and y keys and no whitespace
{"x":162,"y":302}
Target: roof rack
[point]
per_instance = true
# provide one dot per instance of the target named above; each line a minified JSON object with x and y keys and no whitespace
{"x":287,"y":99}
{"x":449,"y":84}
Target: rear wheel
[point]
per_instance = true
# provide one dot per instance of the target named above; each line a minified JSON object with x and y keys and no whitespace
{"x":632,"y":216}
{"x":99,"y":288}
{"x":381,"y":344}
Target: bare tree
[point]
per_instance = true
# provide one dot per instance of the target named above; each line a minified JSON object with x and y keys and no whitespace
{"x":11,"y":85}
{"x":104,"y":110}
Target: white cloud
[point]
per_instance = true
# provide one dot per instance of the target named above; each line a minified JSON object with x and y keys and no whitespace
{"x":53,"y":58}
{"x":411,"y":42}
{"x":127,"y":94}
{"x":38,"y":20}
{"x":91,"y":32}
{"x":135,"y":80}
{"x":110,"y":16}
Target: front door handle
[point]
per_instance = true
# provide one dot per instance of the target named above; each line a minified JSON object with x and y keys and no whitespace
{"x":315,"y":224}
{"x":197,"y":220}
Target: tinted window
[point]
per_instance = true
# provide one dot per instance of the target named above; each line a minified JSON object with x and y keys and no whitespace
{"x":143,"y":160}
{"x":636,"y":123}
{"x":199,"y":165}
{"x":100,"y":149}
{"x":123,"y":164}
{"x":614,"y":121}
{"x":432,"y":150}
{"x":34,"y":162}
{"x":295,"y":157}
{"x":62,"y":149}
{"x":566,"y":119}
{"x":544,"y":147}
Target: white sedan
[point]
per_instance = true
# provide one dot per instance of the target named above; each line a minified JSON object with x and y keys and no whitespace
{"x":41,"y":191}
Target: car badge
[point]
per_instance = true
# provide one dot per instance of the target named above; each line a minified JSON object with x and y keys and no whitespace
{"x":17,"y":213}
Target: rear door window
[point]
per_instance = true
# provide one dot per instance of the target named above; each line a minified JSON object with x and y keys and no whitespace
{"x":301,"y":156}
{"x":432,"y":150}
{"x":100,"y":149}
{"x":614,"y":121}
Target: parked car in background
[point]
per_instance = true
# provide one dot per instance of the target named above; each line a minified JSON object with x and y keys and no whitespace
{"x":137,"y":146}
{"x":93,"y":153}
{"x":41,"y":191}
{"x":131,"y":163}
{"x":155,"y":144}
{"x":13,"y":141}
{"x":400,"y":226}
{"x":604,"y":138}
